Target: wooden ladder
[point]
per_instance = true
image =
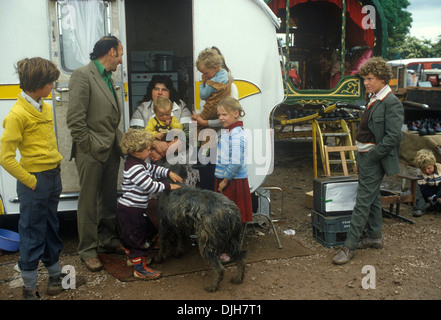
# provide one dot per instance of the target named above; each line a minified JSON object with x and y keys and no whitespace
{"x":321,"y":130}
{"x":343,"y":160}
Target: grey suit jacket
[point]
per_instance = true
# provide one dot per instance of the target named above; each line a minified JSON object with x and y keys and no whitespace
{"x":93,"y":113}
{"x":385,"y":121}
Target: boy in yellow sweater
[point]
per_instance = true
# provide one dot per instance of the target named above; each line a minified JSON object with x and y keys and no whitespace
{"x":29,"y":127}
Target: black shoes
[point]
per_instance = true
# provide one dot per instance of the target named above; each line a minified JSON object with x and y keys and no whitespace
{"x":425,"y":127}
{"x":30,"y":294}
{"x":418,"y":213}
{"x":375,"y":243}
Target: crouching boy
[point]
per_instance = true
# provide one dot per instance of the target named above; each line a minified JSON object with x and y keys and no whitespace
{"x":137,"y":186}
{"x":429,"y":187}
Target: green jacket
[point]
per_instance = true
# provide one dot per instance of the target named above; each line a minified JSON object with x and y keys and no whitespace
{"x":385,"y":121}
{"x":93,"y":114}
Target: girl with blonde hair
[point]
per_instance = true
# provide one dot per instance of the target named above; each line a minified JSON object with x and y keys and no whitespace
{"x":215,"y":83}
{"x":231,"y":174}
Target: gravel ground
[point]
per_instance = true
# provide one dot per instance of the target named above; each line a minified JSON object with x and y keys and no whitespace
{"x":406,"y":268}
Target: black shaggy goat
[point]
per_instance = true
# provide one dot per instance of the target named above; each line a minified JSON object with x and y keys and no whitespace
{"x":212,"y":217}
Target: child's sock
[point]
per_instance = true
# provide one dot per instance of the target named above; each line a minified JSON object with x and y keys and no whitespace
{"x":54,"y":270}
{"x":129,"y":261}
{"x":29,"y":279}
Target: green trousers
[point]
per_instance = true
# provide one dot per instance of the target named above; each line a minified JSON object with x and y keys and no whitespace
{"x":367,"y":216}
{"x":97,"y":201}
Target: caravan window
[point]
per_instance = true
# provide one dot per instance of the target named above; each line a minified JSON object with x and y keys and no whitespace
{"x":423,"y":66}
{"x":80,"y":25}
{"x":415,"y":67}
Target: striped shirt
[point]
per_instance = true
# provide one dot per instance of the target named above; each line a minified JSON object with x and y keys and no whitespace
{"x":138,"y":182}
{"x":434,"y":179}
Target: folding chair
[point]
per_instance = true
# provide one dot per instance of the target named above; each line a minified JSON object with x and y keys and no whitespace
{"x":266,"y":215}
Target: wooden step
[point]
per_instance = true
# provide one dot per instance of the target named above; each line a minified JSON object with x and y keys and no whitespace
{"x":339,"y":161}
{"x":336,"y":134}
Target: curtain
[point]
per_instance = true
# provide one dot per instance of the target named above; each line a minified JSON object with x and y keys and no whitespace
{"x":353,"y":9}
{"x":84,"y":22}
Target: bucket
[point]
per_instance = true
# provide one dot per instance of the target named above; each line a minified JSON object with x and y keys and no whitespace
{"x":164,"y":62}
{"x":9,"y":240}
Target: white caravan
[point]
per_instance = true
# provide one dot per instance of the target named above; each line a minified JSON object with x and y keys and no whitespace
{"x":158,"y":36}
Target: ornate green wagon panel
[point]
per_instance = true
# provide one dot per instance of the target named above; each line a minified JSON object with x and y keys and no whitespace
{"x":325,"y":43}
{"x":349,"y":88}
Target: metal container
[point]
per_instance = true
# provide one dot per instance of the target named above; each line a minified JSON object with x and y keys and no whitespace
{"x":164,"y":62}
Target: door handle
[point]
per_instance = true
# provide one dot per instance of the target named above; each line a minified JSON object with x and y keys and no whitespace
{"x":58,"y":99}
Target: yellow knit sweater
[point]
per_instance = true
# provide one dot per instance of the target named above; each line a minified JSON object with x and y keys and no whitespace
{"x":32,"y":133}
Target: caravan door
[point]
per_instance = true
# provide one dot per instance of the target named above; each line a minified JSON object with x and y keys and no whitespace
{"x":245,"y":33}
{"x":64,"y":32}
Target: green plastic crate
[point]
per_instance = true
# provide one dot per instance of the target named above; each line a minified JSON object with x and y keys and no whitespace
{"x":330,"y":231}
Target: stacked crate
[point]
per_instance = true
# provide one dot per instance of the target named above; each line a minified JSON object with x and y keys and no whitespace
{"x":334,"y":200}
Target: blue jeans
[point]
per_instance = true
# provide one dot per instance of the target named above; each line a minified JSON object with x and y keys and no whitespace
{"x":424,"y":192}
{"x":38,"y":225}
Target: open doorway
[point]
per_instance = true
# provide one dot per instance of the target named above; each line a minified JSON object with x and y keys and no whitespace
{"x":316,"y":42}
{"x":159,"y":41}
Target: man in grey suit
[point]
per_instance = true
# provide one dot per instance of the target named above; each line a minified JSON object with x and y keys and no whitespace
{"x":93,"y":116}
{"x":378,"y":140}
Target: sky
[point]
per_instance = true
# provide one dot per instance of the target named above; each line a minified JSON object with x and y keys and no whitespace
{"x":426,"y":15}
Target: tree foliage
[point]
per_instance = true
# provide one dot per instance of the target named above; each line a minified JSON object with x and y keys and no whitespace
{"x":398,"y":21}
{"x":436,"y":49}
{"x":401,"y":44}
{"x":413,"y":47}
